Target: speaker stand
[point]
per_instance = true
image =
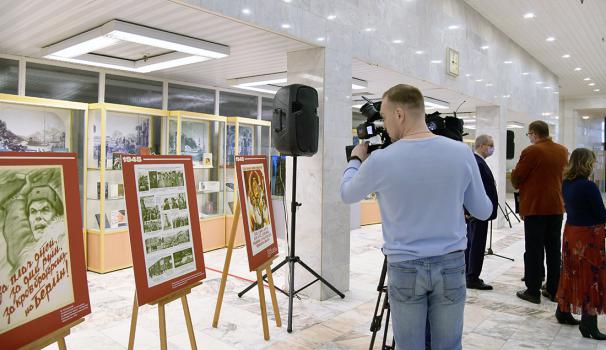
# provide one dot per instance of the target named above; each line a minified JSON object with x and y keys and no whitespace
{"x":293,"y":259}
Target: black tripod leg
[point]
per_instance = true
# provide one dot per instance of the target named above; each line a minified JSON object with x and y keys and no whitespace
{"x":512,"y":212}
{"x":291,"y":287}
{"x":321,"y":279}
{"x":506,"y":216}
{"x":254,"y":284}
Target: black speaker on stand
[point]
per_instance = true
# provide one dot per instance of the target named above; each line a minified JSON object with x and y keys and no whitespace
{"x":295,"y":129}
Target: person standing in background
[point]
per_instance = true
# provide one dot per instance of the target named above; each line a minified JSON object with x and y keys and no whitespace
{"x":538,"y":176}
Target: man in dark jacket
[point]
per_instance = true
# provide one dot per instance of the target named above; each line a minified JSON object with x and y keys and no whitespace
{"x":538,"y":176}
{"x":477,"y":230}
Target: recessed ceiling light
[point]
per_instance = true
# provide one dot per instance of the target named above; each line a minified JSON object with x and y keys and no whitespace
{"x":545,"y":114}
{"x":419,"y":52}
{"x":397,"y":41}
{"x":550,"y":39}
{"x":591,"y":84}
{"x":485,"y":47}
{"x":596,"y":90}
{"x":547,"y":88}
{"x":525,"y":73}
{"x":566,"y":56}
{"x":489,"y":84}
{"x":585,"y":117}
{"x":556,"y":117}
{"x":321,"y":38}
{"x":453,"y":27}
{"x":287,"y":1}
{"x":556,"y":92}
{"x":508,"y":62}
{"x":577,"y":69}
{"x":529,"y":15}
{"x":285,"y":25}
{"x":479,"y":80}
{"x":587,"y":79}
{"x":436,"y":61}
{"x":246,"y":11}
{"x":369,"y":29}
{"x":467,"y":75}
{"x":506,"y":96}
{"x":539,"y":82}
{"x":331,"y":17}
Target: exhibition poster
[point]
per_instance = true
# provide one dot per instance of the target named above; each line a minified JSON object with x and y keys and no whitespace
{"x":43,"y":283}
{"x":257,"y":211}
{"x":164,"y":227}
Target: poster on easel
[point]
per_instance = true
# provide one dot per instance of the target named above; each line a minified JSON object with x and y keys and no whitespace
{"x":257,"y":212}
{"x":43,"y":286}
{"x":163,"y":221}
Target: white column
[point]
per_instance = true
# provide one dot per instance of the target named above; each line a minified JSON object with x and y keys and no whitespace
{"x":493,"y":121}
{"x":323,"y":227}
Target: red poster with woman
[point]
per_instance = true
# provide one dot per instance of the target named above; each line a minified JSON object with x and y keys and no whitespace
{"x":257,"y":210}
{"x":43,"y":285}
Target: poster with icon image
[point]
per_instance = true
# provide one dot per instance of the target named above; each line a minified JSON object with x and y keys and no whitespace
{"x":257,"y":212}
{"x":43,"y":283}
{"x":165,"y":236}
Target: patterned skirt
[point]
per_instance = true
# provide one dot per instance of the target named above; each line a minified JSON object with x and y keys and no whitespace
{"x":582,"y":286}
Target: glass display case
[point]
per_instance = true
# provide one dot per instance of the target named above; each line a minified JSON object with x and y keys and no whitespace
{"x":114,"y":130}
{"x":244,"y":136}
{"x":202,"y":136}
{"x":31,"y":124}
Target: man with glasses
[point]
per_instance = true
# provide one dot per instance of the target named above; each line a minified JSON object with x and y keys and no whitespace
{"x":538,"y":176}
{"x":477,"y":229}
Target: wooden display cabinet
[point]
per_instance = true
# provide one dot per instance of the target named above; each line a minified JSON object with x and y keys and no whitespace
{"x":113,"y":130}
{"x":202,"y":136}
{"x":245,"y":136}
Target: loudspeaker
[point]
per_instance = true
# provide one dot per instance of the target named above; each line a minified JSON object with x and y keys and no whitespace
{"x":511,"y":146}
{"x":295,"y":122}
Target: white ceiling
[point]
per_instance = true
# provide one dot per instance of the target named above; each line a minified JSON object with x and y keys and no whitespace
{"x":380,"y":79}
{"x":579,"y":30}
{"x":27,"y":26}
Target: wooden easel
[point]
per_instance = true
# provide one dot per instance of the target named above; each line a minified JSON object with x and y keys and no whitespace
{"x":179,"y":294}
{"x":57,"y":336}
{"x":265,"y":267}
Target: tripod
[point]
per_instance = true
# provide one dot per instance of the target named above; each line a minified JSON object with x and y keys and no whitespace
{"x":377,"y":318}
{"x":506,"y":213}
{"x":489,"y":250}
{"x":291,"y":259}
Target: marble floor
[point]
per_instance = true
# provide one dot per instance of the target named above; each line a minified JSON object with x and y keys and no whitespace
{"x":493,"y":319}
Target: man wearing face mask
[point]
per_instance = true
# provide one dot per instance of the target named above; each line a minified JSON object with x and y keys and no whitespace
{"x":422,"y":182}
{"x":477,"y":230}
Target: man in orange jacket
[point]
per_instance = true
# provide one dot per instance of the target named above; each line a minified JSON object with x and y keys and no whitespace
{"x":538,"y":176}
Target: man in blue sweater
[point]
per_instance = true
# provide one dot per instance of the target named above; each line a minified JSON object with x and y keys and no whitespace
{"x":422,"y":182}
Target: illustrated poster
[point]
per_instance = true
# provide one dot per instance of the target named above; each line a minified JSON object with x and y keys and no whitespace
{"x":257,"y":211}
{"x":165,"y":240}
{"x":43,"y":283}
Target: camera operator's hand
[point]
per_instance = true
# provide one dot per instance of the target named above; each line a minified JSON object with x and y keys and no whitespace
{"x":360,"y":151}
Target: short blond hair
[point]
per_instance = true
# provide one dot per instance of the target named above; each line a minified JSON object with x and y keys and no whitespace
{"x":406,"y":95}
{"x":580,"y":164}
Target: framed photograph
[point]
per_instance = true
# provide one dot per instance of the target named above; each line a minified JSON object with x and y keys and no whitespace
{"x":245,"y":141}
{"x":257,"y":211}
{"x":34,"y":129}
{"x":195,"y":141}
{"x":43,"y":283}
{"x":125,"y":133}
{"x":164,"y":229}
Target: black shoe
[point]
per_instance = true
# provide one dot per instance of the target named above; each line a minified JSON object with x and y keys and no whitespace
{"x":566,"y":318}
{"x":524,"y":295}
{"x":548,"y":295}
{"x":479,"y":284}
{"x":589,"y":328}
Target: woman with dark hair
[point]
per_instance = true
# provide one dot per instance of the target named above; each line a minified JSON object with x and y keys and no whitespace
{"x":582,"y":285}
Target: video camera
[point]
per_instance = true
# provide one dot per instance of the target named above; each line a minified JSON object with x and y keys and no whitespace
{"x":450,"y":126}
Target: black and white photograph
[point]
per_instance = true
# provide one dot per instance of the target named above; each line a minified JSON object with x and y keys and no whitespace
{"x":161,"y":266}
{"x":154,"y":244}
{"x":125,"y":134}
{"x":143,"y":182}
{"x":34,"y":130}
{"x":194,"y":140}
{"x":183,"y":257}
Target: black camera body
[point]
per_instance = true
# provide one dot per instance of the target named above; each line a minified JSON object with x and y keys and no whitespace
{"x":450,"y":126}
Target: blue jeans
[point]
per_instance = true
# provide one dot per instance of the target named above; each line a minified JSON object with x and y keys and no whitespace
{"x":431,"y":287}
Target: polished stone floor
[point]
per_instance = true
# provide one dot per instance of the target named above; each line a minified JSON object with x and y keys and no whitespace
{"x":493,"y":319}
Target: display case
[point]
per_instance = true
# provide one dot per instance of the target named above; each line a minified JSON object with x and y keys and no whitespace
{"x":113,"y":130}
{"x":31,"y":124}
{"x":244,"y":136}
{"x":202,"y":136}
